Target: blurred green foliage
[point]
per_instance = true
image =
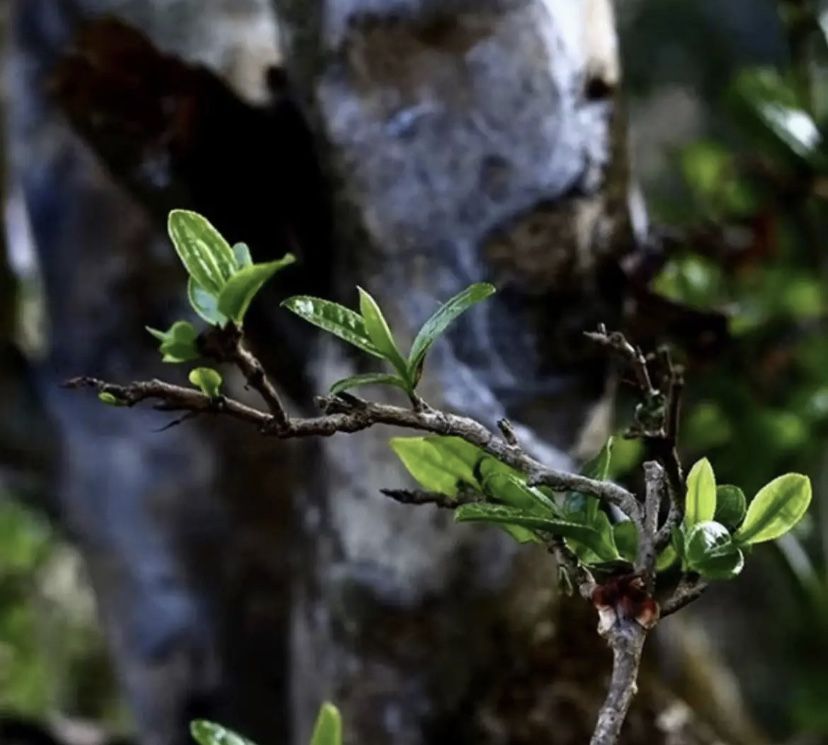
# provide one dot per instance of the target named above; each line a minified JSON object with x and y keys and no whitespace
{"x":51,"y":654}
{"x":752,"y":242}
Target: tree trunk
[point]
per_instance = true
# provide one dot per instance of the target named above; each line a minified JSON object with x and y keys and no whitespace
{"x":466,"y":141}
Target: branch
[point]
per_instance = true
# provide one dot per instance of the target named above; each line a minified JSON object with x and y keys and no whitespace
{"x":690,"y":588}
{"x":418,"y":497}
{"x":352,"y":414}
{"x":226,"y":345}
{"x":627,"y":642}
{"x":647,"y":551}
{"x":567,"y":559}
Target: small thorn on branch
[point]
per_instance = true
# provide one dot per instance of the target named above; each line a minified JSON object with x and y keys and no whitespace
{"x":508,"y":432}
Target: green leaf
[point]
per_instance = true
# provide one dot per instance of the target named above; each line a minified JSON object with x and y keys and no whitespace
{"x":380,"y":333}
{"x":512,"y":490}
{"x":439,"y":464}
{"x":204,"y":303}
{"x":241,"y":288}
{"x":700,"y":502}
{"x":207,"y":380}
{"x":109,"y":399}
{"x":606,"y":550}
{"x":367,"y":379}
{"x":730,"y":506}
{"x":710,"y":551}
{"x":666,"y":558}
{"x":598,"y":468}
{"x":242,"y":253}
{"x":501,"y":514}
{"x":335,"y":319}
{"x":205,"y":254}
{"x":626,"y":539}
{"x":773,"y":104}
{"x":726,"y":566}
{"x":775,"y":509}
{"x":434,"y":327}
{"x":178,"y":343}
{"x":706,"y":540}
{"x":208,"y":733}
{"x":328,"y":727}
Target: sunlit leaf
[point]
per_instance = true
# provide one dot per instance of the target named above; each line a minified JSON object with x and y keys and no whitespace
{"x":447,"y":313}
{"x":380,"y":333}
{"x":241,"y":288}
{"x":700,"y":502}
{"x":335,"y":319}
{"x":775,"y":509}
{"x":438,"y":464}
{"x":205,"y":254}
{"x":512,"y":490}
{"x":207,"y":380}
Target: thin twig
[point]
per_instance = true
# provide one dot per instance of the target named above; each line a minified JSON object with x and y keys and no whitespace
{"x":689,"y":588}
{"x":568,"y":561}
{"x":227,"y":345}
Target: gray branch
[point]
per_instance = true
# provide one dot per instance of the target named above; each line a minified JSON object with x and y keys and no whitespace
{"x":627,"y":642}
{"x":353,"y":414}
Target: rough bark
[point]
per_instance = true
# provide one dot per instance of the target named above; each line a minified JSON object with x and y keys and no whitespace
{"x":177,"y":529}
{"x":467,"y":141}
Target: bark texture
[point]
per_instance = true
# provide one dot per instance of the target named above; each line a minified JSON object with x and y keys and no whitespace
{"x":466,"y":141}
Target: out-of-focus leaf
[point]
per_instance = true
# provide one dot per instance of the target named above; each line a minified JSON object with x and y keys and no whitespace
{"x":772,"y":103}
{"x":209,"y":733}
{"x":328,"y":727}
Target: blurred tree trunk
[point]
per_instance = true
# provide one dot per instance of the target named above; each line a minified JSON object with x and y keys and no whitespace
{"x":244,"y":580}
